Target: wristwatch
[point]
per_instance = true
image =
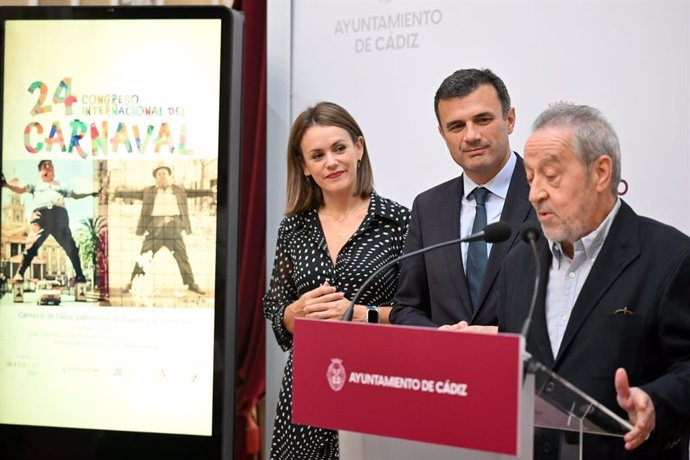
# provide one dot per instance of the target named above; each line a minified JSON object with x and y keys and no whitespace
{"x":372,"y":314}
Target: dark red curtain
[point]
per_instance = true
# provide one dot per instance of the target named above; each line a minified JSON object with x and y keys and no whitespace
{"x":251,"y":351}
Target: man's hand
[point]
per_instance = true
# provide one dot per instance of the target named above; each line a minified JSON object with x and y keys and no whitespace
{"x":454,"y":327}
{"x":639,"y":407}
{"x":481,"y":329}
{"x":463,"y":326}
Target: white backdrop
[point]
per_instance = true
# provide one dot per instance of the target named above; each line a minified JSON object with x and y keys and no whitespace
{"x":384,"y":59}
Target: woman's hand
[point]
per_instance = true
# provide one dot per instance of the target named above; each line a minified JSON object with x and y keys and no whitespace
{"x":331,"y":308}
{"x":316,"y":303}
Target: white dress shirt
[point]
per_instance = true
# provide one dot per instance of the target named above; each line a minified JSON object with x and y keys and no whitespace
{"x":498,"y":188}
{"x":165,"y":203}
{"x":49,"y":194}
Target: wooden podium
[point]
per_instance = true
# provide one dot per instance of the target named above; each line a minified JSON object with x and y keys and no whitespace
{"x":440,"y":394}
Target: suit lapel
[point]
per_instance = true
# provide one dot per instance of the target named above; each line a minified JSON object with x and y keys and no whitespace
{"x":449,"y":228}
{"x":620,"y":248}
{"x":515,"y":211}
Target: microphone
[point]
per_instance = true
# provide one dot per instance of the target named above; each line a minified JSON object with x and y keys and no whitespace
{"x":492,"y":233}
{"x":530,"y":232}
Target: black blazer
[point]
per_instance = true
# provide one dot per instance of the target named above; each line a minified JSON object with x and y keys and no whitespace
{"x":149,"y":197}
{"x":432,"y":289}
{"x":643,"y":267}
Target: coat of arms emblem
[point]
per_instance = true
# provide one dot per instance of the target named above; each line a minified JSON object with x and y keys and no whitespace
{"x":336,"y":374}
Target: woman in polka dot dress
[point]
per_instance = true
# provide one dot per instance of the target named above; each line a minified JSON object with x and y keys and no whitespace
{"x":337,"y":231}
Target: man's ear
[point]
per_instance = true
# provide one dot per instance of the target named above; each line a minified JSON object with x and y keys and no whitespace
{"x":511,"y":120}
{"x":602,"y":172}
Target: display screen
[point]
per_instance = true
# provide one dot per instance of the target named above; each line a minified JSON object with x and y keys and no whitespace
{"x":115,"y":156}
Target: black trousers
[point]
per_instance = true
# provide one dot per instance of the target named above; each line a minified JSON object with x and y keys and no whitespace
{"x":45,"y":222}
{"x":167,"y":232}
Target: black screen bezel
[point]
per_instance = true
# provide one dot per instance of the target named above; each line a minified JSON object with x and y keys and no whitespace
{"x":47,"y":443}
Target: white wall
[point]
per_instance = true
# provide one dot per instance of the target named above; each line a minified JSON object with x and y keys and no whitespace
{"x":631,"y":59}
{"x":278,"y":114}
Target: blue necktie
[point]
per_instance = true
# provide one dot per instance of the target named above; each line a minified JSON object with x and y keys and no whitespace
{"x":476,"y":252}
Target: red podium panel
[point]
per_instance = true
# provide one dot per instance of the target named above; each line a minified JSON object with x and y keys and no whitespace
{"x":456,"y":389}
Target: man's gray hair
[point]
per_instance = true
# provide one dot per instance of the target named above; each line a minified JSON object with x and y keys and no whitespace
{"x":593,"y":135}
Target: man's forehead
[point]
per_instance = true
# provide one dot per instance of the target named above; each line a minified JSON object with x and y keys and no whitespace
{"x":552,"y":141}
{"x":469,"y":107}
{"x":534,"y":160}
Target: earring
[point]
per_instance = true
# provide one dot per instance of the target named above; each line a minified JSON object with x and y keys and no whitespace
{"x":359,"y":162}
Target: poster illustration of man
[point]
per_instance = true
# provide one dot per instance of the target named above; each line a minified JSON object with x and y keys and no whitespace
{"x":170,"y":214}
{"x":23,"y":234}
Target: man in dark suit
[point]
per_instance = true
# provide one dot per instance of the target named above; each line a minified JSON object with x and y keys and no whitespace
{"x":445,"y":287}
{"x":614,"y":310}
{"x":164,"y":216}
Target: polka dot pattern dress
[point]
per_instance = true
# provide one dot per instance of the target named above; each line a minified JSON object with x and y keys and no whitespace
{"x":302,"y":263}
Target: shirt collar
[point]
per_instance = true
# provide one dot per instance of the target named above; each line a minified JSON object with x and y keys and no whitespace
{"x":384,"y":209}
{"x":592,"y":242}
{"x":498,"y":185}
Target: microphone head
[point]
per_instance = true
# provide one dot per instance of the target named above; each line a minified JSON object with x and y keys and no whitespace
{"x":496,"y":232}
{"x":530,"y":231}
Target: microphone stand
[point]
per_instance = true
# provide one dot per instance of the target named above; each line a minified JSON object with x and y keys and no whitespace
{"x":537,"y":267}
{"x":492,"y":233}
{"x":351,"y":309}
{"x":530,"y":233}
